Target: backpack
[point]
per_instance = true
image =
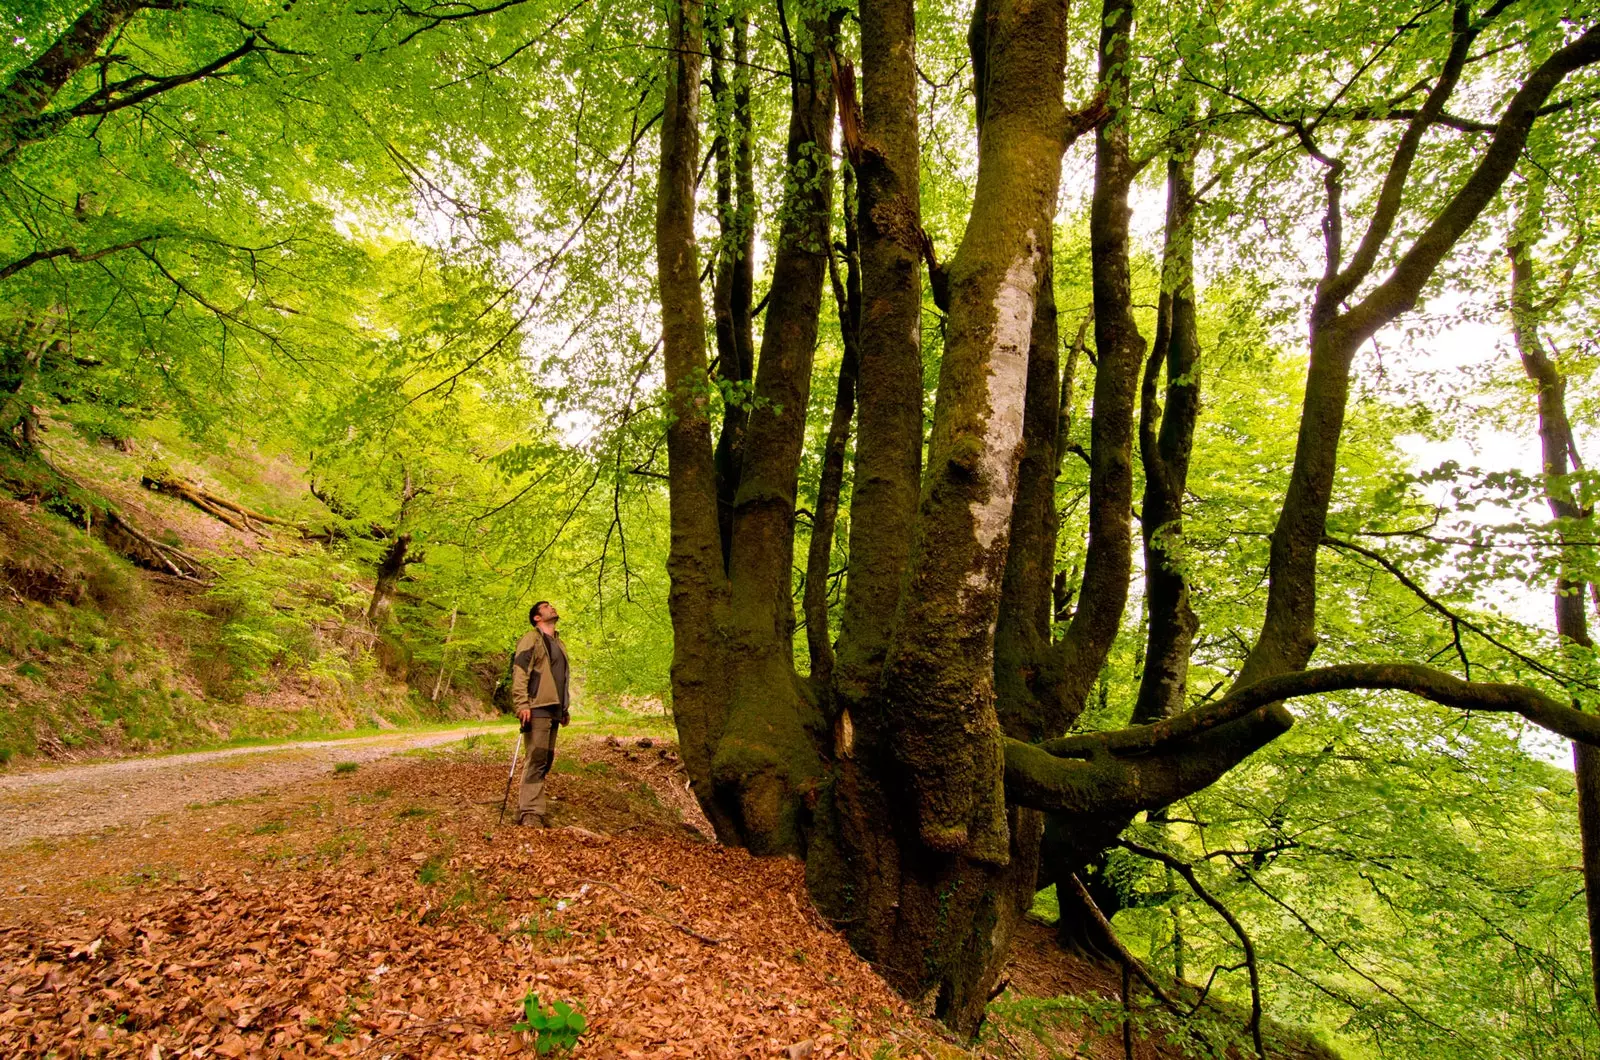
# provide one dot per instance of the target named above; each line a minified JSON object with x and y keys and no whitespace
{"x":502,"y":699}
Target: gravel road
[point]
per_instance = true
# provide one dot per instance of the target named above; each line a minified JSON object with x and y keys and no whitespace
{"x":78,"y":800}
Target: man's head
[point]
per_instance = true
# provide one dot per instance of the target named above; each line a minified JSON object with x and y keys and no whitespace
{"x":543,"y":611}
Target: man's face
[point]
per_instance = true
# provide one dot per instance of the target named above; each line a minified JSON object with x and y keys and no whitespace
{"x":548,"y":614}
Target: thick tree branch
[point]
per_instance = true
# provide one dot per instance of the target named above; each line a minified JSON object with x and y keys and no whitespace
{"x":1108,"y":564}
{"x":1399,"y":292}
{"x":1288,"y":633}
{"x":32,"y":88}
{"x":1112,"y":776}
{"x":1424,"y":681}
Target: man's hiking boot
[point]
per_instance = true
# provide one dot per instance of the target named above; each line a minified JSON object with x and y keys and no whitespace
{"x":534,"y":820}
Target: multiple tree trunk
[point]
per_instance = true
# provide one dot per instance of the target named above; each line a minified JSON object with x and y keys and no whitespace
{"x":913,"y":768}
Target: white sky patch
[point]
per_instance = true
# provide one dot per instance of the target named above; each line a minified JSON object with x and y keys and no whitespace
{"x":1474,"y":350}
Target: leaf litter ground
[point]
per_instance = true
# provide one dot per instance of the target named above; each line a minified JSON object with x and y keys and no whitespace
{"x":381,"y":913}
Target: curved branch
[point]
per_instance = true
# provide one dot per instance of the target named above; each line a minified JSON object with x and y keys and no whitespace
{"x":1110,"y":787}
{"x":1419,"y":680}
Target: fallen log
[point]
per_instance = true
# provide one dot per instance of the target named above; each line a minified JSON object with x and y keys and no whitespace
{"x":235,"y":515}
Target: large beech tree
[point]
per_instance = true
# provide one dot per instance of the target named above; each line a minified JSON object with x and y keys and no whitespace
{"x":914,"y":767}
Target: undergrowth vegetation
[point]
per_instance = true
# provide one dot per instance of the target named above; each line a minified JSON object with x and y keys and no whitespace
{"x":98,"y":655}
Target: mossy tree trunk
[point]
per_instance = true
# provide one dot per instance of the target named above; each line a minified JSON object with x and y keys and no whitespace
{"x":913,"y":769}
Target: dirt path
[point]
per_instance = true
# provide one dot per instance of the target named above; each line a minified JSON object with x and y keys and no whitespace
{"x":76,"y":800}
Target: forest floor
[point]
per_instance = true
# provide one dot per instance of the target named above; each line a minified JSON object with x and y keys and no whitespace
{"x":257,"y":902}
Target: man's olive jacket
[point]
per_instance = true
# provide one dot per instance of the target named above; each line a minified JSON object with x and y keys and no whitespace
{"x":532,"y":684}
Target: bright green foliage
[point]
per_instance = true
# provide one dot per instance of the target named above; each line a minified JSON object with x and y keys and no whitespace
{"x":557,"y":1029}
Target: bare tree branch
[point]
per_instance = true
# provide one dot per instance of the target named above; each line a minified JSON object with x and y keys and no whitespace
{"x":1186,"y":870}
{"x":71,"y":254}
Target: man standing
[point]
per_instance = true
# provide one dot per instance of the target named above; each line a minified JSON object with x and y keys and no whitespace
{"x":539,"y":696}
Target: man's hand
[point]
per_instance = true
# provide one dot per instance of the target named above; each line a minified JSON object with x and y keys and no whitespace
{"x":525,"y":714}
{"x":566,"y":716}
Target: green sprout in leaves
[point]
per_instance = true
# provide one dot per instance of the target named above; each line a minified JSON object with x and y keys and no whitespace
{"x":558,"y":1028}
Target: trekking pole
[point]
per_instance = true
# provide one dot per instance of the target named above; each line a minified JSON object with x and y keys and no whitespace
{"x":516,"y":749}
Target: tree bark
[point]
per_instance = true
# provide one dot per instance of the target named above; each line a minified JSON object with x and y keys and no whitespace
{"x":1108,"y":563}
{"x":935,"y":871}
{"x":888,"y":467}
{"x":939,"y":674}
{"x":767,"y":755}
{"x":1075,"y":663}
{"x":16,"y":404}
{"x":819,"y":555}
{"x":916,"y":805}
{"x":733,"y":292}
{"x":1022,"y":632}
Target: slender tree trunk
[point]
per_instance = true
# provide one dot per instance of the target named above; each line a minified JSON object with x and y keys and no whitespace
{"x":438,"y":682}
{"x":1165,"y":455}
{"x":735,"y":270}
{"x":1108,"y":563}
{"x":768,"y":752}
{"x":16,"y":408}
{"x":698,"y":599}
{"x":854,"y":866}
{"x":884,"y":490}
{"x":819,"y":557}
{"x":1559,"y":459}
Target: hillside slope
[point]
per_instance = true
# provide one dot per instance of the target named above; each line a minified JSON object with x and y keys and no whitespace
{"x":263,"y":635}
{"x":386,"y":910}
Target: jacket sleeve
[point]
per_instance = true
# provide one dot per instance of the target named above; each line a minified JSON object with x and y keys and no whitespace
{"x":525,"y":668}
